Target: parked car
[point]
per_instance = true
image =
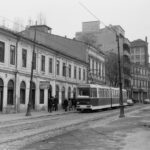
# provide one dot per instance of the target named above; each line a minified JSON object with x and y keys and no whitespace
{"x":146,"y":101}
{"x":130,"y":102}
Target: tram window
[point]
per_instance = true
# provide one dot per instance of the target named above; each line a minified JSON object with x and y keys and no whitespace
{"x":101,"y":93}
{"x":93,"y":92}
{"x":84,"y":91}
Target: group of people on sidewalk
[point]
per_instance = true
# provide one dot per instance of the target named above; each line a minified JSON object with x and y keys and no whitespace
{"x":52,"y":104}
{"x":69,"y":104}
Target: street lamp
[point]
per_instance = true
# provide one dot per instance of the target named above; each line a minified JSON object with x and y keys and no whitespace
{"x":120,"y":81}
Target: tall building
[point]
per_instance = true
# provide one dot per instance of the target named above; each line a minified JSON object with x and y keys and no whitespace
{"x":105,"y":39}
{"x":139,"y":52}
{"x":140,"y":69}
{"x":59,"y":64}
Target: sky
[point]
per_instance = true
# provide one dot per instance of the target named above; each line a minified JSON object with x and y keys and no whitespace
{"x":65,"y":17}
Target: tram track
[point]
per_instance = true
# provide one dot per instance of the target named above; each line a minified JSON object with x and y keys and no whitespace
{"x":44,"y":127}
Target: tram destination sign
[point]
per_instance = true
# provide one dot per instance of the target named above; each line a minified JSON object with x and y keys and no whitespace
{"x":44,"y":84}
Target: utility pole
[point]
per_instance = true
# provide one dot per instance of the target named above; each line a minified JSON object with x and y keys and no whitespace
{"x":120,"y":81}
{"x":28,"y":113}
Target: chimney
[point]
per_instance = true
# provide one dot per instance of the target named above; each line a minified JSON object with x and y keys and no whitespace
{"x":42,"y":28}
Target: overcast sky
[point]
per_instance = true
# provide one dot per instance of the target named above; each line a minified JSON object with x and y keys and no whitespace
{"x":65,"y":16}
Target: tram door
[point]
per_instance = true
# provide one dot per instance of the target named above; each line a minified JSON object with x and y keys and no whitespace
{"x":1,"y":98}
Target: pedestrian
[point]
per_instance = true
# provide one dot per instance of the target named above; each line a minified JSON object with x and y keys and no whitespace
{"x":55,"y":103}
{"x":74,"y":103}
{"x":65,"y":104}
{"x":50,"y":104}
{"x":70,"y":104}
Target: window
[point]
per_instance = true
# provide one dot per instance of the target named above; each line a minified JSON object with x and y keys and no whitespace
{"x":79,"y":73}
{"x":41,"y":96}
{"x":34,"y":61}
{"x":69,"y":92}
{"x":2,"y":51}
{"x":10,"y":92}
{"x":93,"y":92}
{"x":137,"y":50}
{"x":93,"y":66}
{"x":69,"y":71}
{"x":12,"y":55}
{"x":64,"y":69}
{"x":75,"y":72}
{"x":83,"y":74}
{"x":58,"y":67}
{"x":96,"y":68}
{"x":22,"y":92}
{"x":84,"y":91}
{"x":24,"y":57}
{"x":43,"y":63}
{"x":100,"y":69}
{"x":50,"y":65}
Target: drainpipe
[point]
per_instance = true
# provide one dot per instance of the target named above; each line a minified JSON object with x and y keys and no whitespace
{"x":16,"y":72}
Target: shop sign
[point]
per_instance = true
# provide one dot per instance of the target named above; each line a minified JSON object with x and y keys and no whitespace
{"x":44,"y":84}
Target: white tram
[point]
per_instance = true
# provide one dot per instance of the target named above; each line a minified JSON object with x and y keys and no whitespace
{"x":93,"y":97}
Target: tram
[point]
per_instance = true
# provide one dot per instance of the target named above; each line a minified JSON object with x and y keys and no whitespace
{"x":94,"y":97}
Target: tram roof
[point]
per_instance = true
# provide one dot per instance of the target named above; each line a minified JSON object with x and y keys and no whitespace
{"x":98,"y":86}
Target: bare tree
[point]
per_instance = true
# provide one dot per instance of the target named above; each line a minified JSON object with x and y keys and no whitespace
{"x":112,"y":69}
{"x":41,"y":19}
{"x":18,"y":25}
{"x":88,"y":38}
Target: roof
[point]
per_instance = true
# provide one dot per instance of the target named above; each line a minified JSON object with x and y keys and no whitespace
{"x":68,"y":46}
{"x":38,"y":26}
{"x":138,"y":42}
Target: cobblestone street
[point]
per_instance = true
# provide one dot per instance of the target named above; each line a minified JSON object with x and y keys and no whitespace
{"x":17,"y":130}
{"x":129,"y":133}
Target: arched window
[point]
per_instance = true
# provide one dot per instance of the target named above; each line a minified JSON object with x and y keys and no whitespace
{"x":69,"y":92}
{"x":33,"y":95}
{"x":63,"y":94}
{"x":10,"y":93}
{"x":74,"y":93}
{"x":1,"y":83}
{"x":22,"y":92}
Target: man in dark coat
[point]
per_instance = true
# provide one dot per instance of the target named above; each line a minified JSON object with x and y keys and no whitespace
{"x":65,"y":104}
{"x":50,"y":104}
{"x":55,"y":103}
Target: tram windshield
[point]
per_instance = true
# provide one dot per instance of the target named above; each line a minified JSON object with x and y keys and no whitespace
{"x":83,"y":91}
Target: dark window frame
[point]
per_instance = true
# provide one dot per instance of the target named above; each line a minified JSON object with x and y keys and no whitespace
{"x":43,"y":63}
{"x":12,"y":54}
{"x":57,"y":67}
{"x":41,"y":96}
{"x":50,"y":65}
{"x":24,"y":58}
{"x":2,"y":52}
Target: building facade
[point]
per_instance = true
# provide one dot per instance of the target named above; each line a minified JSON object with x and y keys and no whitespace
{"x":140,"y":69}
{"x":105,"y":39}
{"x":139,"y":83}
{"x":58,"y":69}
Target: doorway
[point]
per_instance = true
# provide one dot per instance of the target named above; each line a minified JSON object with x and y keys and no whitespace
{"x":1,"y":94}
{"x":33,"y":96}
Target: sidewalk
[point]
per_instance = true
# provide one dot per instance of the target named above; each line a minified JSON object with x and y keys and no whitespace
{"x":34,"y":114}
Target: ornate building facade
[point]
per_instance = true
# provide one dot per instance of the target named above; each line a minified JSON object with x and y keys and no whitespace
{"x":59,"y":64}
